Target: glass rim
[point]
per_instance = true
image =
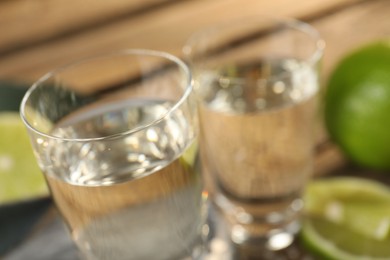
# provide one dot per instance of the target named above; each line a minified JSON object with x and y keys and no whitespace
{"x":130,"y":52}
{"x":291,"y":23}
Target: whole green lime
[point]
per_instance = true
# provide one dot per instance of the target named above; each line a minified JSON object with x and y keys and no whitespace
{"x":357,"y":105}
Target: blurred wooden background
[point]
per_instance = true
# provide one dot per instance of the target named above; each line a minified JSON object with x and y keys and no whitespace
{"x":39,"y":35}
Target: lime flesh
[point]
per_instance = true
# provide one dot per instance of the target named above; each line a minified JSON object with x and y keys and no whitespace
{"x":333,"y":241}
{"x":20,"y":177}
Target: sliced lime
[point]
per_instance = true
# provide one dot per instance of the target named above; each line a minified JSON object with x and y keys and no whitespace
{"x":359,"y":204}
{"x":20,"y":177}
{"x":334,"y":241}
{"x":347,"y":218}
{"x":190,"y":154}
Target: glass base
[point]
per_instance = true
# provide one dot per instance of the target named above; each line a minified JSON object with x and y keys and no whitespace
{"x":220,"y":245}
{"x":271,"y":224}
{"x":275,"y":239}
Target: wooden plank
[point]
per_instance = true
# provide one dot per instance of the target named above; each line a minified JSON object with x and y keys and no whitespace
{"x":24,"y":22}
{"x":351,"y":28}
{"x":163,"y":29}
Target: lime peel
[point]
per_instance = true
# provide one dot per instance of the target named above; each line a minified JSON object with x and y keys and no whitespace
{"x":357,"y":105}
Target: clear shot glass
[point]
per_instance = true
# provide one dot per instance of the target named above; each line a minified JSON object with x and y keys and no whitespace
{"x":257,"y":83}
{"x":116,"y":139}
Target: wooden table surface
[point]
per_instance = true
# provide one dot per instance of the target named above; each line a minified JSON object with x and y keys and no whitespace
{"x":37,"y":36}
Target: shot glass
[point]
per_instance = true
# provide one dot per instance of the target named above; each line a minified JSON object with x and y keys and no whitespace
{"x":257,"y":83}
{"x":115,"y":136}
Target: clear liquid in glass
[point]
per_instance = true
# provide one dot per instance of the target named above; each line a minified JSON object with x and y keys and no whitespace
{"x":256,"y":142}
{"x":129,"y":197}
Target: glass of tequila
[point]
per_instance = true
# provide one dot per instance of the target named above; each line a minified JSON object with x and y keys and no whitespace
{"x":257,"y":82}
{"x":116,"y":138}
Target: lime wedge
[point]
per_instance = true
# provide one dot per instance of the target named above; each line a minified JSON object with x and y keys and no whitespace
{"x":348,"y":218}
{"x":189,"y":156}
{"x":360,"y":204}
{"x":334,"y":241}
{"x":20,"y":177}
